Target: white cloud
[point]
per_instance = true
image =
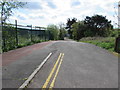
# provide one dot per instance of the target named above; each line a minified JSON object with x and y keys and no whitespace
{"x":54,"y":11}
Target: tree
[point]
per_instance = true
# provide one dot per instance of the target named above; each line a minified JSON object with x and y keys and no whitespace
{"x":6,"y":11}
{"x":53,"y":32}
{"x":8,"y":7}
{"x":69,"y":24}
{"x":62,"y":31}
{"x":98,"y":24}
{"x":78,"y":29}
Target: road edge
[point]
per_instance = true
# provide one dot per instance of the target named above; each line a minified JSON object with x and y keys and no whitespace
{"x":116,"y":54}
{"x":34,"y":73}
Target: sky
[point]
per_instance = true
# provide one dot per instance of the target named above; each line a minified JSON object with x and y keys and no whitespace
{"x":45,"y":12}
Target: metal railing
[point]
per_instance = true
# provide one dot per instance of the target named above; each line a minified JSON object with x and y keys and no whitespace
{"x":15,"y":36}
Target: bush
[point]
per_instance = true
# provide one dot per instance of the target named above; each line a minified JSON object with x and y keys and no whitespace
{"x":114,"y":33}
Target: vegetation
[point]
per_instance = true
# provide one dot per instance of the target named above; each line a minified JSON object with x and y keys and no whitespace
{"x":56,"y":32}
{"x":104,"y":42}
{"x":8,"y":33}
{"x":69,"y":24}
{"x":62,"y":31}
{"x":78,"y":29}
{"x":8,"y":7}
{"x":53,"y":31}
{"x":24,"y":37}
{"x":95,"y":30}
{"x":96,"y":25}
{"x":27,"y":37}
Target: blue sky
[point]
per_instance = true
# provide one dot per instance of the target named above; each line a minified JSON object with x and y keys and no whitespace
{"x":45,"y":12}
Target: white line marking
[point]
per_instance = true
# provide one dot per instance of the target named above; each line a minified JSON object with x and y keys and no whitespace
{"x":34,"y":73}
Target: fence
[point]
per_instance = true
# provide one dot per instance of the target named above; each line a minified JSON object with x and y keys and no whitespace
{"x":15,"y":36}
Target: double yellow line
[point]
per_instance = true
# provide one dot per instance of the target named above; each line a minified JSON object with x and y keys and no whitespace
{"x":59,"y":60}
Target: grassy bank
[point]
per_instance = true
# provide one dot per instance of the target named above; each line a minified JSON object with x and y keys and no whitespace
{"x":104,"y":42}
{"x":22,"y":43}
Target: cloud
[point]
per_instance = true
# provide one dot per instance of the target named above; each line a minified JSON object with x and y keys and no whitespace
{"x":75,"y":3}
{"x":51,"y":5}
{"x":33,"y":5}
{"x":44,"y":12}
{"x":37,"y":16}
{"x":21,"y":17}
{"x":54,"y":17}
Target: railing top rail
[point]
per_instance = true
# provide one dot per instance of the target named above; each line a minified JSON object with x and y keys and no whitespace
{"x":26,"y":26}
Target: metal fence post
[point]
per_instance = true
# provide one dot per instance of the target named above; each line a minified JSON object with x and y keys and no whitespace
{"x":2,"y":22}
{"x":49,"y":35}
{"x":16,"y":33}
{"x":31,"y":33}
{"x":40,"y":34}
{"x":45,"y":35}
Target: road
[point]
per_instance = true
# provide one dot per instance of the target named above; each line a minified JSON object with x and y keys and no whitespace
{"x":71,"y":65}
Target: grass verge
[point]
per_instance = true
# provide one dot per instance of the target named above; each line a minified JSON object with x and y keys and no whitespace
{"x":107,"y":43}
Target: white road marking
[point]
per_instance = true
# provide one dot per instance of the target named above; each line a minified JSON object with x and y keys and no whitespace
{"x":34,"y":73}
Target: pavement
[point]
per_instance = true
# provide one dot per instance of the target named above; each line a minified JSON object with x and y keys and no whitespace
{"x":71,"y":65}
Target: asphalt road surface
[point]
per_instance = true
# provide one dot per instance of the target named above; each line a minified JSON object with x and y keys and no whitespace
{"x":71,"y":65}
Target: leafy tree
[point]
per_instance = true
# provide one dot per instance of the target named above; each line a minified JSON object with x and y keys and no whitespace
{"x":53,"y":31}
{"x":6,"y":11}
{"x":78,"y":29}
{"x":88,"y":33}
{"x":8,"y":7}
{"x":98,"y":24}
{"x":69,"y":24}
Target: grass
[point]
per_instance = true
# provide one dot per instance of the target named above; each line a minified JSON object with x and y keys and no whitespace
{"x":22,"y":43}
{"x":107,"y":43}
{"x":29,"y":43}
